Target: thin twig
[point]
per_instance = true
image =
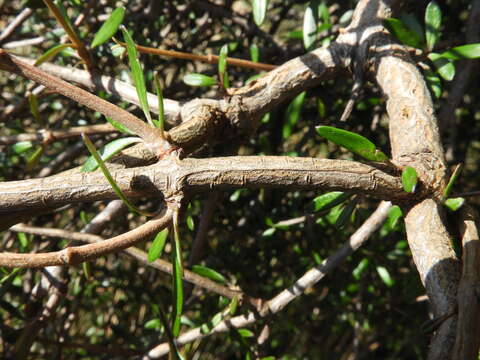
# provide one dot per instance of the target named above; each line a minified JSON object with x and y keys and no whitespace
{"x":79,"y":254}
{"x":19,"y":19}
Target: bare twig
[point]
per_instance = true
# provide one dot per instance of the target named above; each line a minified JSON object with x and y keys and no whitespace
{"x":79,"y":254}
{"x":276,"y":304}
{"x":140,"y":255}
{"x":15,"y":23}
{"x":49,"y":136}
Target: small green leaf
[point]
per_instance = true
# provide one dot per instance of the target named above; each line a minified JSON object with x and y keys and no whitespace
{"x":451,"y":181}
{"x":34,"y":158}
{"x":177,"y":278}
{"x":385,"y":276}
{"x":444,"y":66}
{"x":33,"y":103}
{"x":190,"y":223}
{"x":245,"y":333}
{"x":403,"y":33}
{"x":346,"y":214}
{"x":411,"y":22}
{"x":434,"y":83}
{"x":22,"y":237}
{"x":269,"y":232}
{"x":259,"y":11}
{"x":293,"y":114}
{"x":161,"y":110}
{"x":469,"y":51}
{"x":137,"y":74}
{"x":433,"y":21}
{"x":354,"y":142}
{"x":361,"y":267}
{"x":346,"y":17}
{"x":108,"y":151}
{"x":394,"y":214}
{"x":22,"y":146}
{"x":409,"y":179}
{"x":310,"y":20}
{"x":454,"y":203}
{"x":233,"y":306}
{"x":109,"y":27}
{"x":119,"y":126}
{"x":327,"y":201}
{"x":254,"y":53}
{"x":222,"y":60}
{"x":51,"y":53}
{"x":152,"y":324}
{"x":108,"y":176}
{"x":195,"y":79}
{"x":209,"y":273}
{"x":157,"y":246}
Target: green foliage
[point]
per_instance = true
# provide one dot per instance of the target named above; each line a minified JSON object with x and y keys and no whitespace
{"x":354,"y":142}
{"x":158,"y":244}
{"x":409,"y":179}
{"x":328,"y":201}
{"x":108,"y":151}
{"x":209,"y":273}
{"x":259,"y":11}
{"x":199,"y":80}
{"x":109,"y":27}
{"x":433,"y":21}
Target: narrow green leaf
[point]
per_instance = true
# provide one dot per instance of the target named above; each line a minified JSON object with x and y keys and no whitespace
{"x":269,"y":232}
{"x":109,"y":27}
{"x":354,"y":142}
{"x":177,"y":278}
{"x":346,"y":214}
{"x":385,"y":276}
{"x":402,"y":33}
{"x":454,"y":203}
{"x":433,"y":21}
{"x":222,"y":61}
{"x":254,"y":53}
{"x":157,"y":246}
{"x":34,"y":158}
{"x":233,"y":306}
{"x":195,"y":79}
{"x":323,"y":12}
{"x":469,"y":51}
{"x":108,"y":151}
{"x":190,"y":223}
{"x":22,"y":146}
{"x":409,"y":179}
{"x":394,"y":214}
{"x":87,"y":270}
{"x":152,"y":324}
{"x":109,"y":177}
{"x":411,"y":22}
{"x":293,"y":114}
{"x":51,"y":53}
{"x":451,"y":181}
{"x":245,"y":333}
{"x":346,"y":18}
{"x":327,"y":201}
{"x":23,"y":238}
{"x":360,"y":269}
{"x":434,"y":83}
{"x":310,"y":20}
{"x":119,"y":126}
{"x":161,"y":110}
{"x":209,"y":273}
{"x":444,"y":66}
{"x":137,"y":74}
{"x":33,"y":104}
{"x":259,"y":11}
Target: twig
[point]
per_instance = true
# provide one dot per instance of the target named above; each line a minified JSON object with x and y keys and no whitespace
{"x":19,"y":19}
{"x":310,"y":278}
{"x":211,"y":59}
{"x":79,"y":254}
{"x":23,"y":43}
{"x":49,"y":136}
{"x":140,"y":255}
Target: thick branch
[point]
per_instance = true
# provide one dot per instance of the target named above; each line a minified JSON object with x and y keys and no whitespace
{"x":200,"y":175}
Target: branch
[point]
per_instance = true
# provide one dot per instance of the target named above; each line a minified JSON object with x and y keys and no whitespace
{"x":276,"y":304}
{"x":202,"y":175}
{"x":78,"y":254}
{"x":467,"y":342}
